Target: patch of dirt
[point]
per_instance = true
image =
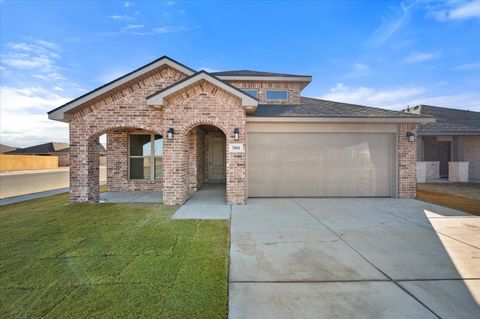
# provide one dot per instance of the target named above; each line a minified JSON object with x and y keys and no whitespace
{"x":466,"y":204}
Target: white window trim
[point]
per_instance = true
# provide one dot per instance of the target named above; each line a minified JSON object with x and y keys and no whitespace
{"x":283,"y":90}
{"x":249,"y":89}
{"x":152,"y":157}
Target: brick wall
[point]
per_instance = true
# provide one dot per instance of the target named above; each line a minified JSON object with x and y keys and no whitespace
{"x":125,"y":108}
{"x":294,"y":89}
{"x":117,"y":165}
{"x":202,"y":103}
{"x":407,"y":154}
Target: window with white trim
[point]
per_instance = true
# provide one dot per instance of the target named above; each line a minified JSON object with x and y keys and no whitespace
{"x":276,"y":94}
{"x":251,"y":92}
{"x":145,"y":153}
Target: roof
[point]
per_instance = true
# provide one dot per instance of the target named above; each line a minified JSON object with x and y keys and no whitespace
{"x":6,"y":148}
{"x":448,"y":121}
{"x":48,"y":148}
{"x":157,"y":98}
{"x":253,"y":73}
{"x":310,"y":107}
{"x":250,"y":75}
{"x":59,"y":112}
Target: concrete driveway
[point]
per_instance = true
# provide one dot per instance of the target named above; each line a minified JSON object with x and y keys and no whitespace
{"x":353,"y":258}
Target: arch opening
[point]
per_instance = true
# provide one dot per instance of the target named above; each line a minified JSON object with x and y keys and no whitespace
{"x":207,"y":161}
{"x":128,"y":166}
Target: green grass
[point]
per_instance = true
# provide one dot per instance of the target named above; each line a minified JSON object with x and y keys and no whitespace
{"x":61,"y":260}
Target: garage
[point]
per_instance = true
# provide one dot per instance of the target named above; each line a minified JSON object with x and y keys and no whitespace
{"x":311,"y":164}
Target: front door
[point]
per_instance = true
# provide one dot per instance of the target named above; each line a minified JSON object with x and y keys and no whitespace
{"x":216,"y":159}
{"x":444,"y":157}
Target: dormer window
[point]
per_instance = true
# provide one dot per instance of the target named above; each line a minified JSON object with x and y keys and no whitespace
{"x":251,"y":92}
{"x":278,"y":95}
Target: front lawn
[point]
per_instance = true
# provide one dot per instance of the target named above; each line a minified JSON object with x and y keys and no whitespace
{"x":110,"y":260}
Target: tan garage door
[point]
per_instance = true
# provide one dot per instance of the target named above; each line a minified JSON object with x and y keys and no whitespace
{"x":320,"y":164}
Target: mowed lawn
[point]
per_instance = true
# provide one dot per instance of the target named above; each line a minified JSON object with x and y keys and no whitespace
{"x":110,"y":260}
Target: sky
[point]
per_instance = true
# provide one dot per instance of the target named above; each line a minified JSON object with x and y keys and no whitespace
{"x":387,"y":54}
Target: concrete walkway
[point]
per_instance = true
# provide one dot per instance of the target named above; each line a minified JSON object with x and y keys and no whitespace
{"x":18,"y":183}
{"x":353,"y":258}
{"x":207,"y":203}
{"x":22,"y":198}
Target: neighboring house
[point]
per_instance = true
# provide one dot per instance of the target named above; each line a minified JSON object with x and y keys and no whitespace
{"x":450,"y":147}
{"x":5,"y":148}
{"x":170,"y":128}
{"x":62,"y":150}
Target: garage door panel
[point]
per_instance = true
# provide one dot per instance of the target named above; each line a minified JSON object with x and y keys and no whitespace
{"x":320,"y":164}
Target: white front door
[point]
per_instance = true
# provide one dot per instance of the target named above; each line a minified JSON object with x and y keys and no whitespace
{"x":216,"y":159}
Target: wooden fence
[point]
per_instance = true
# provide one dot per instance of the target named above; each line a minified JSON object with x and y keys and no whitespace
{"x":26,"y":162}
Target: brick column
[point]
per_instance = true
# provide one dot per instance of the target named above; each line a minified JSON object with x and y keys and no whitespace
{"x":237,"y":171}
{"x":407,"y":154}
{"x":84,"y":167}
{"x":175,"y":168}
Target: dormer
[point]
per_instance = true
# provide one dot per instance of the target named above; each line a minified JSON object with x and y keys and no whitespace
{"x":267,"y":87}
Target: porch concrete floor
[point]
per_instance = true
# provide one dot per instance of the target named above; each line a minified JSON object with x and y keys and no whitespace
{"x":131,"y":197}
{"x":206,"y":203}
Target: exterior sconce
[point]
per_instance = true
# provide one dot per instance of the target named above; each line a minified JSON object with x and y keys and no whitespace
{"x":411,"y":136}
{"x":236,"y":134}
{"x":170,"y":134}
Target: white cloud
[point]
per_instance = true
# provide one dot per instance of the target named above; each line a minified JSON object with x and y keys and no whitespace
{"x":468,"y":66}
{"x":23,"y":118}
{"x":457,"y":10}
{"x":36,"y":54}
{"x":390,"y":25}
{"x":133,"y":26}
{"x":401,"y":97}
{"x":119,"y":17}
{"x":127,"y":4}
{"x":418,"y":57}
{"x":370,"y":96}
{"x":359,"y":67}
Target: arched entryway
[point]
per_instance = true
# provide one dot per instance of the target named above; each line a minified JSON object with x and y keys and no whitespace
{"x":133,"y":165}
{"x":207,"y":161}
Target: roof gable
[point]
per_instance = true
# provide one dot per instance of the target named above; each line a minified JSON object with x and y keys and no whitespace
{"x":249,"y":75}
{"x":59,"y":113}
{"x":157,"y":99}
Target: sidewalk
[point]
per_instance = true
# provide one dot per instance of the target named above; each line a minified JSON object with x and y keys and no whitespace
{"x":18,"y":183}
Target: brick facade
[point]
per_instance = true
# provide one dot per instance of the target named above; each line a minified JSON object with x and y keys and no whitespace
{"x":124,"y":109}
{"x":202,"y":104}
{"x":294,"y":89}
{"x":406,"y":156}
{"x":117,"y":165}
{"x":185,"y":157}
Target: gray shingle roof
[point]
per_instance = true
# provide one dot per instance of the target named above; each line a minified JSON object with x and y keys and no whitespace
{"x":253,"y":73}
{"x":310,"y":107}
{"x":448,"y":121}
{"x":47,"y":148}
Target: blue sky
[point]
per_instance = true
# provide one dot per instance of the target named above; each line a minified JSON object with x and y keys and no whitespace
{"x":381,"y":53}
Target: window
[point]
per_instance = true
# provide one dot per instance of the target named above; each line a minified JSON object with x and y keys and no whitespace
{"x":145,"y":156}
{"x":252,"y":92}
{"x":276,"y":94}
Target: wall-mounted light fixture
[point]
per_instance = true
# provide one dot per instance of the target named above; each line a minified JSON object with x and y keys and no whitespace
{"x":170,"y":133}
{"x":236,"y":134}
{"x":411,"y":136}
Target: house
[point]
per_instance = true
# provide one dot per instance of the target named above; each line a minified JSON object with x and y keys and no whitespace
{"x":62,"y":150}
{"x":6,"y":148}
{"x":171,"y":129}
{"x":450,"y":147}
